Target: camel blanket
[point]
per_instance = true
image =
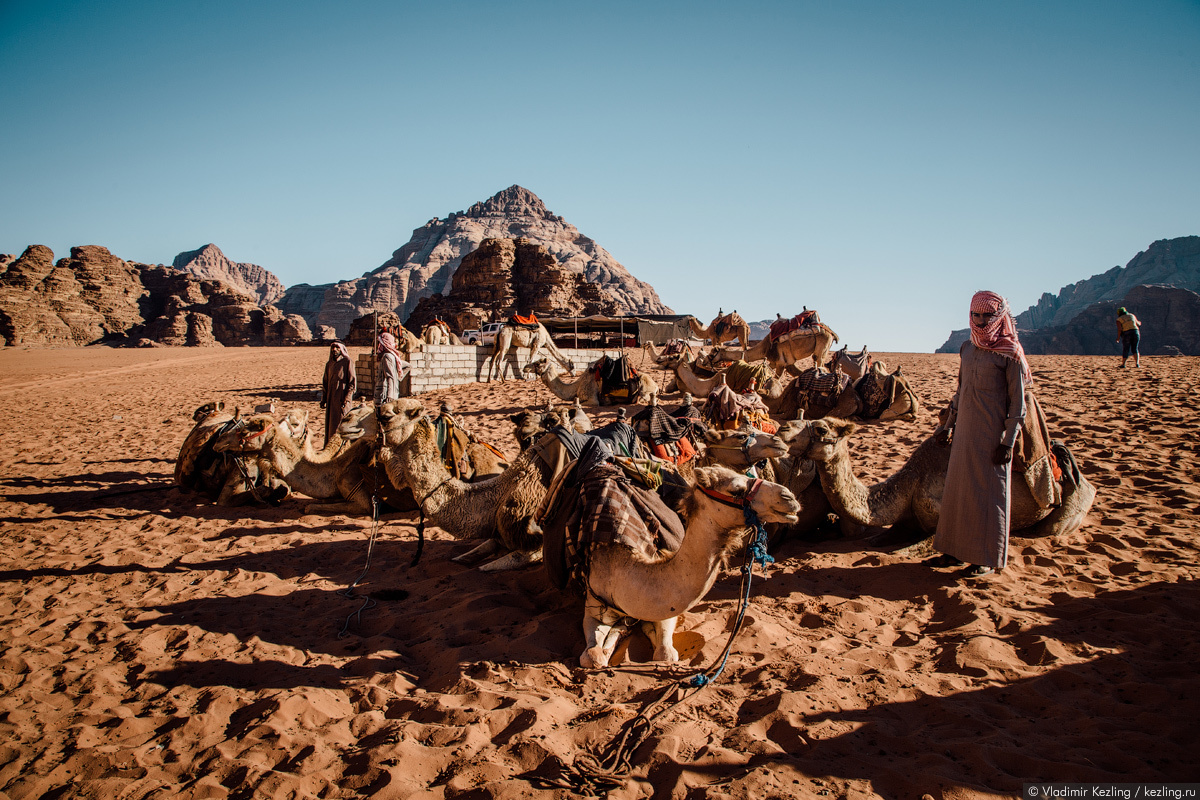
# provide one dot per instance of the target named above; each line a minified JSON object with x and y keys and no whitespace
{"x":739,"y":375}
{"x":876,"y":392}
{"x":594,"y":503}
{"x":530,"y":322}
{"x":1033,"y":456}
{"x":616,"y":380}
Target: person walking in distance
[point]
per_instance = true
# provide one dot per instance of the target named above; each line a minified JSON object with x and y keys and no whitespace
{"x":1129,"y":334}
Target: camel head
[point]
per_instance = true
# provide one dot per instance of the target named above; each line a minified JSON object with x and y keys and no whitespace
{"x":399,"y":420}
{"x":722,"y":495}
{"x":530,"y":425}
{"x":538,"y":367}
{"x":826,"y":436}
{"x":208,"y":409}
{"x":295,"y":424}
{"x":360,"y":422}
{"x":249,"y":437}
{"x":744,"y":446}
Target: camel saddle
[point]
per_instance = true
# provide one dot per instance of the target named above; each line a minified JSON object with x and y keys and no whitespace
{"x":593,"y":502}
{"x":530,"y":322}
{"x":616,"y":380}
{"x":820,"y":386}
{"x":670,"y":438}
{"x":805,"y":319}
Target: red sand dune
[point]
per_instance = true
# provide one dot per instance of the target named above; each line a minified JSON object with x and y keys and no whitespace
{"x":157,"y":645}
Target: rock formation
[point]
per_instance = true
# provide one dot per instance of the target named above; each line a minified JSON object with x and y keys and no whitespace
{"x":511,"y":276}
{"x":209,"y":263}
{"x":1170,"y":320}
{"x":1062,"y":320}
{"x":94,"y":297}
{"x":427,"y":263}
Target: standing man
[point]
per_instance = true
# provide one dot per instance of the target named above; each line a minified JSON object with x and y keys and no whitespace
{"x":988,"y":410}
{"x":390,"y":369}
{"x":1128,"y":334}
{"x":338,"y":385}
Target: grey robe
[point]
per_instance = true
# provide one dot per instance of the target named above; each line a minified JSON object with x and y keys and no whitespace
{"x":391,"y":371}
{"x":990,"y":405}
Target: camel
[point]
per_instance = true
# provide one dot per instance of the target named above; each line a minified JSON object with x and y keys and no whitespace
{"x":530,"y":425}
{"x":854,"y":366}
{"x":585,"y":389}
{"x":329,"y":474}
{"x":438,"y":332}
{"x":914,"y":492}
{"x":499,"y":509}
{"x":788,"y":349}
{"x":626,"y":583}
{"x":898,"y":401}
{"x":510,"y":336}
{"x":229,"y":480}
{"x":722,"y":329}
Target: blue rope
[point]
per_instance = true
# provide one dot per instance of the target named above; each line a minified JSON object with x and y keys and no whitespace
{"x":756,"y":553}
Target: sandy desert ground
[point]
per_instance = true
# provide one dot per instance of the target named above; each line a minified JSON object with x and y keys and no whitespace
{"x":155,"y":645}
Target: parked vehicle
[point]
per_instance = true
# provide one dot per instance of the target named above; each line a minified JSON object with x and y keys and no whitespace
{"x":486,"y":336}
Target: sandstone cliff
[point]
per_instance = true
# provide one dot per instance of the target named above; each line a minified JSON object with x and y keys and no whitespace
{"x":95,"y":297}
{"x":511,"y":276}
{"x":427,"y":263}
{"x":209,"y":263}
{"x":1064,"y":317}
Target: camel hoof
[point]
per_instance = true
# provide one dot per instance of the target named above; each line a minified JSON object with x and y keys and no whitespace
{"x":666,"y":653}
{"x":593,"y":658}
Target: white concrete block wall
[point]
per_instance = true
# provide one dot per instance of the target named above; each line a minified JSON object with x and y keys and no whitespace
{"x":441,"y":366}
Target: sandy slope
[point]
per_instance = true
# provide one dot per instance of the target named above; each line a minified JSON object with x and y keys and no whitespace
{"x":156,"y":645}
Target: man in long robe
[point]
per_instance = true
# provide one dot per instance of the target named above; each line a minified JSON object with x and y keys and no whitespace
{"x":988,"y":410}
{"x":338,"y":387}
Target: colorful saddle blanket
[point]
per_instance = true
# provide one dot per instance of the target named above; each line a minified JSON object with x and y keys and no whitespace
{"x":805,"y":319}
{"x":518,"y":321}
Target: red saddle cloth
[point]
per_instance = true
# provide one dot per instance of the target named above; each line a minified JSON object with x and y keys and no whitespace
{"x":805,"y":319}
{"x":525,"y":322}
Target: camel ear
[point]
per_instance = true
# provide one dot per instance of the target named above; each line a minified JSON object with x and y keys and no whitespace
{"x":413,"y":413}
{"x":845,"y":429}
{"x":704,"y":478}
{"x":237,"y":412}
{"x":220,"y":405}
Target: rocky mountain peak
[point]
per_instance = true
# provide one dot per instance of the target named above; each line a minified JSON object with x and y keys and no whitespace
{"x":209,"y":263}
{"x":426,"y":265}
{"x":515,"y":201}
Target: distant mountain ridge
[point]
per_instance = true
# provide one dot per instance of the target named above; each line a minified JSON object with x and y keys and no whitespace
{"x":426,"y":264}
{"x":1057,"y":323}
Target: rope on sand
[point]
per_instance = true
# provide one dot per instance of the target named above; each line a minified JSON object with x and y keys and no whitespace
{"x":597,"y":773}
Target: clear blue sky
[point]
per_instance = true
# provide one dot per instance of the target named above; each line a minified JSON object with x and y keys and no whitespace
{"x":877,"y":161}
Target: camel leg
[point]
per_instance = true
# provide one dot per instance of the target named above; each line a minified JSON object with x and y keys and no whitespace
{"x":513,"y":560}
{"x":663,"y":638}
{"x":478,"y":553}
{"x":601,"y":637}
